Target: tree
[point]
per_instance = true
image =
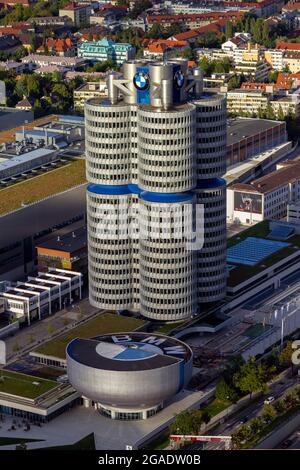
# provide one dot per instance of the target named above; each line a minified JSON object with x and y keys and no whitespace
{"x":33,"y":43}
{"x":187,"y":53}
{"x":229,"y":30}
{"x":268,"y":413}
{"x":272,"y":78}
{"x":225,"y":392}
{"x":241,"y":436}
{"x":255,"y":425}
{"x":280,"y":114}
{"x":205,"y":65}
{"x":285,"y":357}
{"x":280,"y":406}
{"x":139,"y":7}
{"x":252,"y":377}
{"x":187,"y":422}
{"x":233,"y":83}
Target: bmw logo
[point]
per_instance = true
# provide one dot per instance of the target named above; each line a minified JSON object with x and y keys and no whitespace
{"x":179,"y":79}
{"x":141,"y":81}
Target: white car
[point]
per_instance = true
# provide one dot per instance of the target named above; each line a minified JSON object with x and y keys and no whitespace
{"x":269,"y":400}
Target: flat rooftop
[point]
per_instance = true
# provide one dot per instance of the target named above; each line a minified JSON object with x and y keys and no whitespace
{"x":241,"y":128}
{"x":71,"y":242}
{"x":22,"y":385}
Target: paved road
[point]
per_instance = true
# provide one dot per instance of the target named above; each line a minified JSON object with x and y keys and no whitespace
{"x":234,"y":421}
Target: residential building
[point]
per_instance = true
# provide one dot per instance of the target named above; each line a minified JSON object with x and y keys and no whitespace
{"x":266,"y":197}
{"x":232,"y":44}
{"x":193,"y":21}
{"x":274,"y":57}
{"x":162,"y":48}
{"x":163,"y":278}
{"x":71,"y":63}
{"x":62,"y":47}
{"x":88,"y":90}
{"x":244,"y":101}
{"x":256,"y":71}
{"x":288,"y":105}
{"x":105,"y":50}
{"x":291,"y":59}
{"x":79,"y":13}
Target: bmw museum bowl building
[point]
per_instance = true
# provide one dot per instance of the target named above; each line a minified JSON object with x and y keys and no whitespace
{"x":128,"y":376}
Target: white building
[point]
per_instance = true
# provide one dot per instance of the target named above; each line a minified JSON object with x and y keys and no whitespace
{"x":266,"y":197}
{"x":42,"y":295}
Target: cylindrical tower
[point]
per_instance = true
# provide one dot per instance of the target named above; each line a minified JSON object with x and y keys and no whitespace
{"x":166,"y":148}
{"x":156,"y":146}
{"x":107,"y":141}
{"x":211,"y":192}
{"x":109,"y":247}
{"x":211,"y":259}
{"x":167,"y":266}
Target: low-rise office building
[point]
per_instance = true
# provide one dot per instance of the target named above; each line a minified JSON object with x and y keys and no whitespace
{"x":248,"y":137}
{"x":266,"y":197}
{"x":42,"y":295}
{"x":67,"y":251}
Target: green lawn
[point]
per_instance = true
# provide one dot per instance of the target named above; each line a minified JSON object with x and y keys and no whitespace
{"x":216,"y":406}
{"x":165,"y":329}
{"x":23,"y":385}
{"x":106,"y":323}
{"x":87,"y":443}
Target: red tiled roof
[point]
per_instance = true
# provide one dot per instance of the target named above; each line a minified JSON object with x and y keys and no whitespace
{"x":227,"y":15}
{"x":216,"y":27}
{"x":290,"y":46}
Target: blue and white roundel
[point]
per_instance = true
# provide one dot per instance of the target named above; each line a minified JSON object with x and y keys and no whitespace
{"x":141,"y":81}
{"x":179,"y":79}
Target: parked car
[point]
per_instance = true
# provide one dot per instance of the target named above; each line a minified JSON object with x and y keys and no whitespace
{"x":269,"y":400}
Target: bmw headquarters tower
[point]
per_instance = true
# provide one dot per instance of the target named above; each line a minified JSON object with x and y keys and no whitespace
{"x":154,"y":146}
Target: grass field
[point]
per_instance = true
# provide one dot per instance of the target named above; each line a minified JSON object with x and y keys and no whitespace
{"x":216,"y":406}
{"x":22,"y":385}
{"x":107,"y":323}
{"x":42,"y":186}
